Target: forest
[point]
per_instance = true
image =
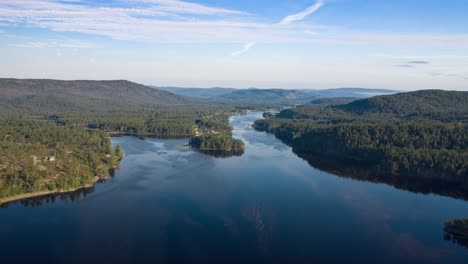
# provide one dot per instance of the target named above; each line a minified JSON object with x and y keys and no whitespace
{"x":40,"y":156}
{"x":166,"y":122}
{"x":80,"y":145}
{"x":409,"y":137}
{"x":55,"y":135}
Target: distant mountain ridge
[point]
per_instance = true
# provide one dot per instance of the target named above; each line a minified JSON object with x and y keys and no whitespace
{"x":350,"y":92}
{"x":120,"y":90}
{"x":201,"y":93}
{"x":273,"y":96}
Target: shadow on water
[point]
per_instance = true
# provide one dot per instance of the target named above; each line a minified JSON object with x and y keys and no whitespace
{"x":462,"y":241}
{"x":222,"y":154}
{"x":459,"y":240}
{"x":52,"y":198}
{"x":416,"y":185}
{"x":457,"y":231}
{"x":73,"y":196}
{"x":362,"y":173}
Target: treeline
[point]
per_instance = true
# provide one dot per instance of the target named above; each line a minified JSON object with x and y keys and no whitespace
{"x":41,"y":156}
{"x":175,"y":121}
{"x":218,"y":122}
{"x":397,"y":142}
{"x":137,"y":123}
{"x":118,"y":107}
{"x":409,"y":148}
{"x":427,"y":104}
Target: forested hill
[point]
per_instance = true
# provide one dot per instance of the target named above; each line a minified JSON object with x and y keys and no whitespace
{"x":333,"y":101}
{"x":84,"y":93}
{"x":420,"y":103}
{"x":119,"y":107}
{"x":415,"y":134}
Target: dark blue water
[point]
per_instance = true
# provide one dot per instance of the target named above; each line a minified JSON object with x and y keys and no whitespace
{"x":173,"y":205}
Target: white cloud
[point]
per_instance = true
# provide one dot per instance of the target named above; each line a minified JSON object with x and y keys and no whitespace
{"x":156,"y":21}
{"x":177,"y":6}
{"x":301,"y":15}
{"x":72,"y":44}
{"x":174,"y":21}
{"x":246,"y":48}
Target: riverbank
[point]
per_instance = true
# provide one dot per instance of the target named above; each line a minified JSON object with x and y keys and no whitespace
{"x":149,"y":135}
{"x":23,"y":196}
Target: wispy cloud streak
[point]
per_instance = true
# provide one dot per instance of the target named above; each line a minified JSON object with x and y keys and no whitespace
{"x":286,"y":21}
{"x":246,"y":48}
{"x":301,"y":15}
{"x":175,"y":21}
{"x":144,"y":20}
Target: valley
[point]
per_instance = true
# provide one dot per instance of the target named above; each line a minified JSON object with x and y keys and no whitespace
{"x":79,"y":145}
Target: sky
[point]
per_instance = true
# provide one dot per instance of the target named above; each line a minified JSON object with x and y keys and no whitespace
{"x":293,"y":44}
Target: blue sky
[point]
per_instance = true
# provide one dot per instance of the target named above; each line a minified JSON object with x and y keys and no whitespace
{"x":314,"y":44}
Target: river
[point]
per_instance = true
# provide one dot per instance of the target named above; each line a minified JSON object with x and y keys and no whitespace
{"x":168,"y":204}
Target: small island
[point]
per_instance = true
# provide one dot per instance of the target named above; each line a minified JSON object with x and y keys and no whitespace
{"x":218,"y":143}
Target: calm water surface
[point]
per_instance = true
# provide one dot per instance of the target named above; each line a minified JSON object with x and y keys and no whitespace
{"x":173,"y":205}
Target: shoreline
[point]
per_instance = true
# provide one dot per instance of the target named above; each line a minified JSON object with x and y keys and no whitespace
{"x":147,"y":135}
{"x":24,"y":196}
